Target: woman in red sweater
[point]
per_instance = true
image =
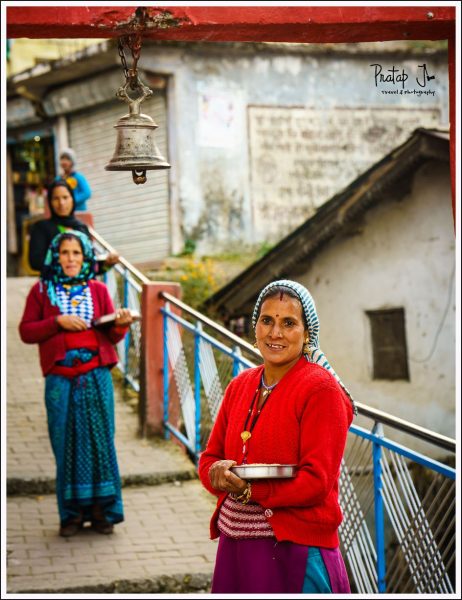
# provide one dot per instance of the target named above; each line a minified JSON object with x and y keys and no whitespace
{"x":76,"y":359}
{"x":280,"y":535}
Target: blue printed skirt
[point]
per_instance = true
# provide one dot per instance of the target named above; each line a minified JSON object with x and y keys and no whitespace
{"x":80,"y":414}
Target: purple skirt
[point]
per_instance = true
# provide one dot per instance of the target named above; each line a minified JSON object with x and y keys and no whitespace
{"x":265,"y":566}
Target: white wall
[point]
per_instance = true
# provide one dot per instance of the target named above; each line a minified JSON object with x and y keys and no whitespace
{"x":220,"y":193}
{"x":402,"y":257}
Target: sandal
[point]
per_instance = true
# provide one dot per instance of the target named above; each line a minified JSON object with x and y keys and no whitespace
{"x":98,"y":520}
{"x":102,"y":526}
{"x":70,"y":529}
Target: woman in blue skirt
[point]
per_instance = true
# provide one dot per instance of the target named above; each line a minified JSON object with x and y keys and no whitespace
{"x":76,"y":359}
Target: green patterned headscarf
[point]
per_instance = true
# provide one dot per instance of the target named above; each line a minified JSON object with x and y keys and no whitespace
{"x":53,"y":274}
{"x":314,"y":353}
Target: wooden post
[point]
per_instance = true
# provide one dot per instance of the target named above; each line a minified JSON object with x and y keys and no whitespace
{"x":151,"y":366}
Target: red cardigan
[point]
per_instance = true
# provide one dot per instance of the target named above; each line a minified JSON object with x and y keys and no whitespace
{"x":305,"y":422}
{"x":38,"y":326}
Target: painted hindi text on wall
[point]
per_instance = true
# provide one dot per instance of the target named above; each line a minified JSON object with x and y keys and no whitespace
{"x":301,"y":157}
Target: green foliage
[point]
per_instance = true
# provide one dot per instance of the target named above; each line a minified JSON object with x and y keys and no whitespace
{"x":189,"y":248}
{"x":199,"y":281}
{"x":264,"y":249}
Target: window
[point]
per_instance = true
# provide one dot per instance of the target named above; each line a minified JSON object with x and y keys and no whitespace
{"x":389,"y":344}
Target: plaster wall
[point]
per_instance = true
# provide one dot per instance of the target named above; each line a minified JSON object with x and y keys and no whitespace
{"x":214,"y":88}
{"x":402,"y":255}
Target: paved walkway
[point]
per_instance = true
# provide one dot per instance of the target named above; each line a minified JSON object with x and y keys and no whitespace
{"x":163,"y":545}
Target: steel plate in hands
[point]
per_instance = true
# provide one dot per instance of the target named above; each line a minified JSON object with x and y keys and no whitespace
{"x":264,"y":471}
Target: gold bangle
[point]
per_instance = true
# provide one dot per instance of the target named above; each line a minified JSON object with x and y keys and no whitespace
{"x":246,"y":494}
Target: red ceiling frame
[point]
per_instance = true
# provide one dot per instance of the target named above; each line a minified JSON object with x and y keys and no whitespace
{"x":251,"y":24}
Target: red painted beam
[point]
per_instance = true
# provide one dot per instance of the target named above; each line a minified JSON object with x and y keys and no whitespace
{"x":218,"y":24}
{"x":452,"y":120}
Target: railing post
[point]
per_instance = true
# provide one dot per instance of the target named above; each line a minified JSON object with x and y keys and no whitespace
{"x":127,"y":337}
{"x":151,"y":405}
{"x":197,"y":388}
{"x":165,"y":370}
{"x":378,"y":509}
{"x":236,"y":363}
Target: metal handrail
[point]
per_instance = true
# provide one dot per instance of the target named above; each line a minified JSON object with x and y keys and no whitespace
{"x":367,"y":411}
{"x":422,"y":433}
{"x":215,"y":326}
{"x":208,"y":338}
{"x":407,"y":508}
{"x":133,"y":270}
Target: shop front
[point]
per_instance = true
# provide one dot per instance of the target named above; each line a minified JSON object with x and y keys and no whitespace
{"x":31,"y":152}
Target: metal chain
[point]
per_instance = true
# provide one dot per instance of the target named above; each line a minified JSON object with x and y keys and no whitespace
{"x":122,"y":56}
{"x":133,"y":42}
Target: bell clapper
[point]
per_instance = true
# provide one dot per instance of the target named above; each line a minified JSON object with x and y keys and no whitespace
{"x":139,"y":176}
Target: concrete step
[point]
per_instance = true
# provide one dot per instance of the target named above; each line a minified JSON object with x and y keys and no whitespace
{"x":141,"y":461}
{"x":163,"y":545}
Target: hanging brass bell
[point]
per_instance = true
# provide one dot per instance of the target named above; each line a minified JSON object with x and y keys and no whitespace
{"x":136,"y":150}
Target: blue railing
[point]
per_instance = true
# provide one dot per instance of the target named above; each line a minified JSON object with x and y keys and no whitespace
{"x":125,"y":286}
{"x":398,"y":532}
{"x":191,"y":402}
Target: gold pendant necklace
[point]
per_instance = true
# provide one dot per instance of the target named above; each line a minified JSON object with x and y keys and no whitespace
{"x":246,"y":434}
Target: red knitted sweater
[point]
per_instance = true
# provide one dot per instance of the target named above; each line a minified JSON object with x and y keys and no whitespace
{"x":38,"y":326}
{"x":305,"y":422}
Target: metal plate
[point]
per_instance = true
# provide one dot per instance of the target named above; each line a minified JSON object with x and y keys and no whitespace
{"x":110,"y":318}
{"x":264,"y":471}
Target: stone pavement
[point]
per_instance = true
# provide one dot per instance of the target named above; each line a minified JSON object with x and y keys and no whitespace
{"x":163,"y":544}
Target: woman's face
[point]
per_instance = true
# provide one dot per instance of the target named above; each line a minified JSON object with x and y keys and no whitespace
{"x":280,"y":331}
{"x":66,"y":164}
{"x":61,"y":201}
{"x":70,"y":257}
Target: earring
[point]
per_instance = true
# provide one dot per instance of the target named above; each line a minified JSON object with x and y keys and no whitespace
{"x":255,"y":345}
{"x":306,"y":348}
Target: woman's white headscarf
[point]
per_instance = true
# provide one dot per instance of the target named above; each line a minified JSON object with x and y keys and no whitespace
{"x":314,"y":354}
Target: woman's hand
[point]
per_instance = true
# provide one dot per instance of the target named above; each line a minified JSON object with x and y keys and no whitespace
{"x":224,"y":480}
{"x":112,"y":259}
{"x":123,"y":317}
{"x":71,"y":323}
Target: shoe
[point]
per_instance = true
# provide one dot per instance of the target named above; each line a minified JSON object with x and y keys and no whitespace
{"x":102,"y":526}
{"x":69,"y":530}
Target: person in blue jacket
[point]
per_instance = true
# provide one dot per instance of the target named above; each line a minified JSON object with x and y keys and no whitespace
{"x":75,"y":180}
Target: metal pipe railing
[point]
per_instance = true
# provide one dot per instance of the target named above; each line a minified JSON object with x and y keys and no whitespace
{"x":376,"y":415}
{"x":212,"y":324}
{"x":399,"y":512}
{"x":420,"y":432}
{"x":367,"y":411}
{"x":403,"y":515}
{"x":133,"y":270}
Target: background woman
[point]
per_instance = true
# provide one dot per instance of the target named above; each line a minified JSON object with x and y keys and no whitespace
{"x":76,"y":359}
{"x":62,"y":206}
{"x":79,"y":184}
{"x":280,"y":535}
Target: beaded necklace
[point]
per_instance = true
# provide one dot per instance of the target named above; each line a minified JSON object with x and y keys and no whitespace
{"x":246,"y":434}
